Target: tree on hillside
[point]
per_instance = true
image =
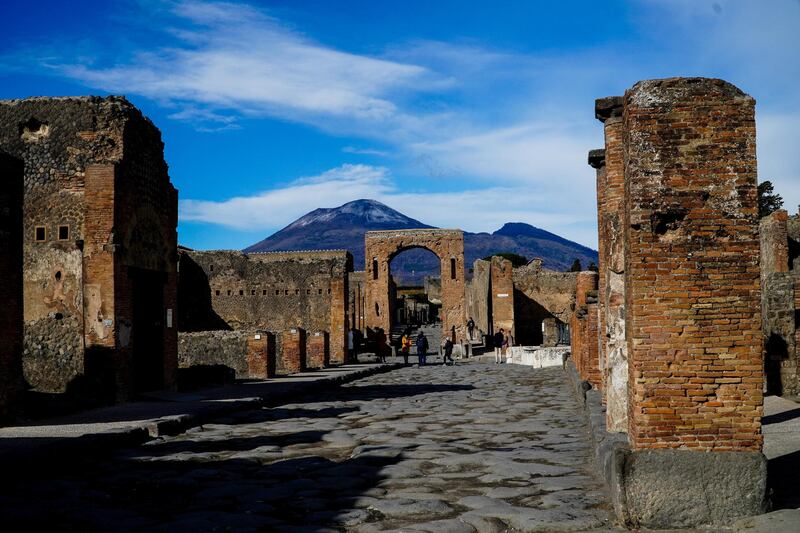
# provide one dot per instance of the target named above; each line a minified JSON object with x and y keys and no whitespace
{"x":592,"y":267}
{"x":768,"y":201}
{"x":576,"y":266}
{"x":516,"y":259}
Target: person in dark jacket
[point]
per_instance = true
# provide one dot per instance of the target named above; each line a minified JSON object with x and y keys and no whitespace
{"x":447,"y":351}
{"x":422,"y":348}
{"x":498,"y":338}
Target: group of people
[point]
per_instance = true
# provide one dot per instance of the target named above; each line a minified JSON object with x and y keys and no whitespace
{"x":421,"y":342}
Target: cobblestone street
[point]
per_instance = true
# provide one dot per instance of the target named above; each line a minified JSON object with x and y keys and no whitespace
{"x":475,"y":447}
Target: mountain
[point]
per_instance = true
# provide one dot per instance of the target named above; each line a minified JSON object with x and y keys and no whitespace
{"x":344,"y":227}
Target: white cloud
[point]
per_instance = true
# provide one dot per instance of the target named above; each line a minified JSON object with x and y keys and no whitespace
{"x":236,"y":58}
{"x":364,"y":151}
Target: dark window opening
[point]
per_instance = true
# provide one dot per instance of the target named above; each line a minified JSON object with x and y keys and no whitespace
{"x":377,"y":309}
{"x":63,"y":233}
{"x":286,"y":292}
{"x":277,"y":292}
{"x":374,"y":268}
{"x":320,"y":291}
{"x":296,"y":292}
{"x":41,"y":234}
{"x":211,"y":268}
{"x":241,"y":292}
{"x":217,"y":293}
{"x":59,"y":316}
{"x":58,"y":276}
{"x":329,"y":291}
{"x":229,"y":293}
{"x":252,"y":292}
{"x":308,"y":291}
{"x":452,"y":268}
{"x":264,"y":292}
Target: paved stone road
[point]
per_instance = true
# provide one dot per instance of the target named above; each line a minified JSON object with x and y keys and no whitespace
{"x":475,"y":447}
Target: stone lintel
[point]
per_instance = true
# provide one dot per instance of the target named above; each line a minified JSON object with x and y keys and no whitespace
{"x":605,"y":108}
{"x":597,"y":158}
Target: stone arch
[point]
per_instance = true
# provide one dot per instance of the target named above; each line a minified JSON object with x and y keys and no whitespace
{"x":447,"y":244}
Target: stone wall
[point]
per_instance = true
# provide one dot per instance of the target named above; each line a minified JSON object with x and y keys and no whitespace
{"x":357,"y":296}
{"x":98,"y":244}
{"x":778,"y":305}
{"x":271,"y":291}
{"x":542,"y":300}
{"x":228,"y":348}
{"x":11,"y":322}
{"x":502,"y":294}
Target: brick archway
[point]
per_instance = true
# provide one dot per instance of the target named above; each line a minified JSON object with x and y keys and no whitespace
{"x":382,"y":246}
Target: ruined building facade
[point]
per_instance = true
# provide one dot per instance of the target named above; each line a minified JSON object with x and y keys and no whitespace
{"x":99,"y":239}
{"x":299,"y":296}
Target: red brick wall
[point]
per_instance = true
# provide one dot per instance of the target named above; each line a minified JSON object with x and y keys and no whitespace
{"x":502,"y":285}
{"x":692,"y":268}
{"x":584,"y":329}
{"x":317,"y":350}
{"x":261,"y":356}
{"x":292,"y":357}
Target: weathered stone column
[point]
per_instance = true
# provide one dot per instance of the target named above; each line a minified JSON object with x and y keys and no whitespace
{"x":612,"y":266}
{"x":597,"y":160}
{"x":584,"y":328}
{"x":693,"y":321}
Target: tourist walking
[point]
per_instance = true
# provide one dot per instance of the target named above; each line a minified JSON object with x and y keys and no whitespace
{"x":470,"y":327}
{"x":498,"y":339}
{"x":405,"y":346}
{"x":506,"y":344}
{"x":351,"y":345}
{"x":422,"y":348}
{"x":447,"y":350}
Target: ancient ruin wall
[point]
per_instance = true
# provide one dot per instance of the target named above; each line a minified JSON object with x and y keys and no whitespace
{"x":272,"y":291}
{"x":62,"y":141}
{"x":584,"y":328}
{"x":692,"y":266}
{"x":541,"y":296}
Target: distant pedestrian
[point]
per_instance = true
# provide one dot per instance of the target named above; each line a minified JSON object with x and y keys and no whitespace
{"x":470,"y":327}
{"x":422,"y":348}
{"x":380,"y":345}
{"x":447,"y":350}
{"x":506,"y":344}
{"x":351,"y":345}
{"x":498,"y":339}
{"x":405,"y":346}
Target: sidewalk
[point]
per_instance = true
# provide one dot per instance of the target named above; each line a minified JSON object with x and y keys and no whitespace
{"x":43,"y":444}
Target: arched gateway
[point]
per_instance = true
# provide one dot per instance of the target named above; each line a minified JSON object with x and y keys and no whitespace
{"x":382,"y":246}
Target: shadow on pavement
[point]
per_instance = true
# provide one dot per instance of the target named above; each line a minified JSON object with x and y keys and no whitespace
{"x":782,"y":475}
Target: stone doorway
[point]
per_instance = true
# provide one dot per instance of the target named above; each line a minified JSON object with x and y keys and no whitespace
{"x":148,"y":329}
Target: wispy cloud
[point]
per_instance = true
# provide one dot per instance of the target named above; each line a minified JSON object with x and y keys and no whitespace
{"x":364,"y":151}
{"x":233,"y":58}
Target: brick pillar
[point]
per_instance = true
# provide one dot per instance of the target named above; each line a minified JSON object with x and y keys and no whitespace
{"x":692,"y":270}
{"x":318,"y":350}
{"x":611,"y":283}
{"x":502,"y":283}
{"x":774,"y":237}
{"x":597,"y":160}
{"x":583,"y":328}
{"x":293,"y":351}
{"x":11,"y":322}
{"x":339,"y":320}
{"x":261,"y":356}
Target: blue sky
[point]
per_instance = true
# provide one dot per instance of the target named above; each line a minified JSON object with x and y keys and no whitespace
{"x":458,"y":113}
